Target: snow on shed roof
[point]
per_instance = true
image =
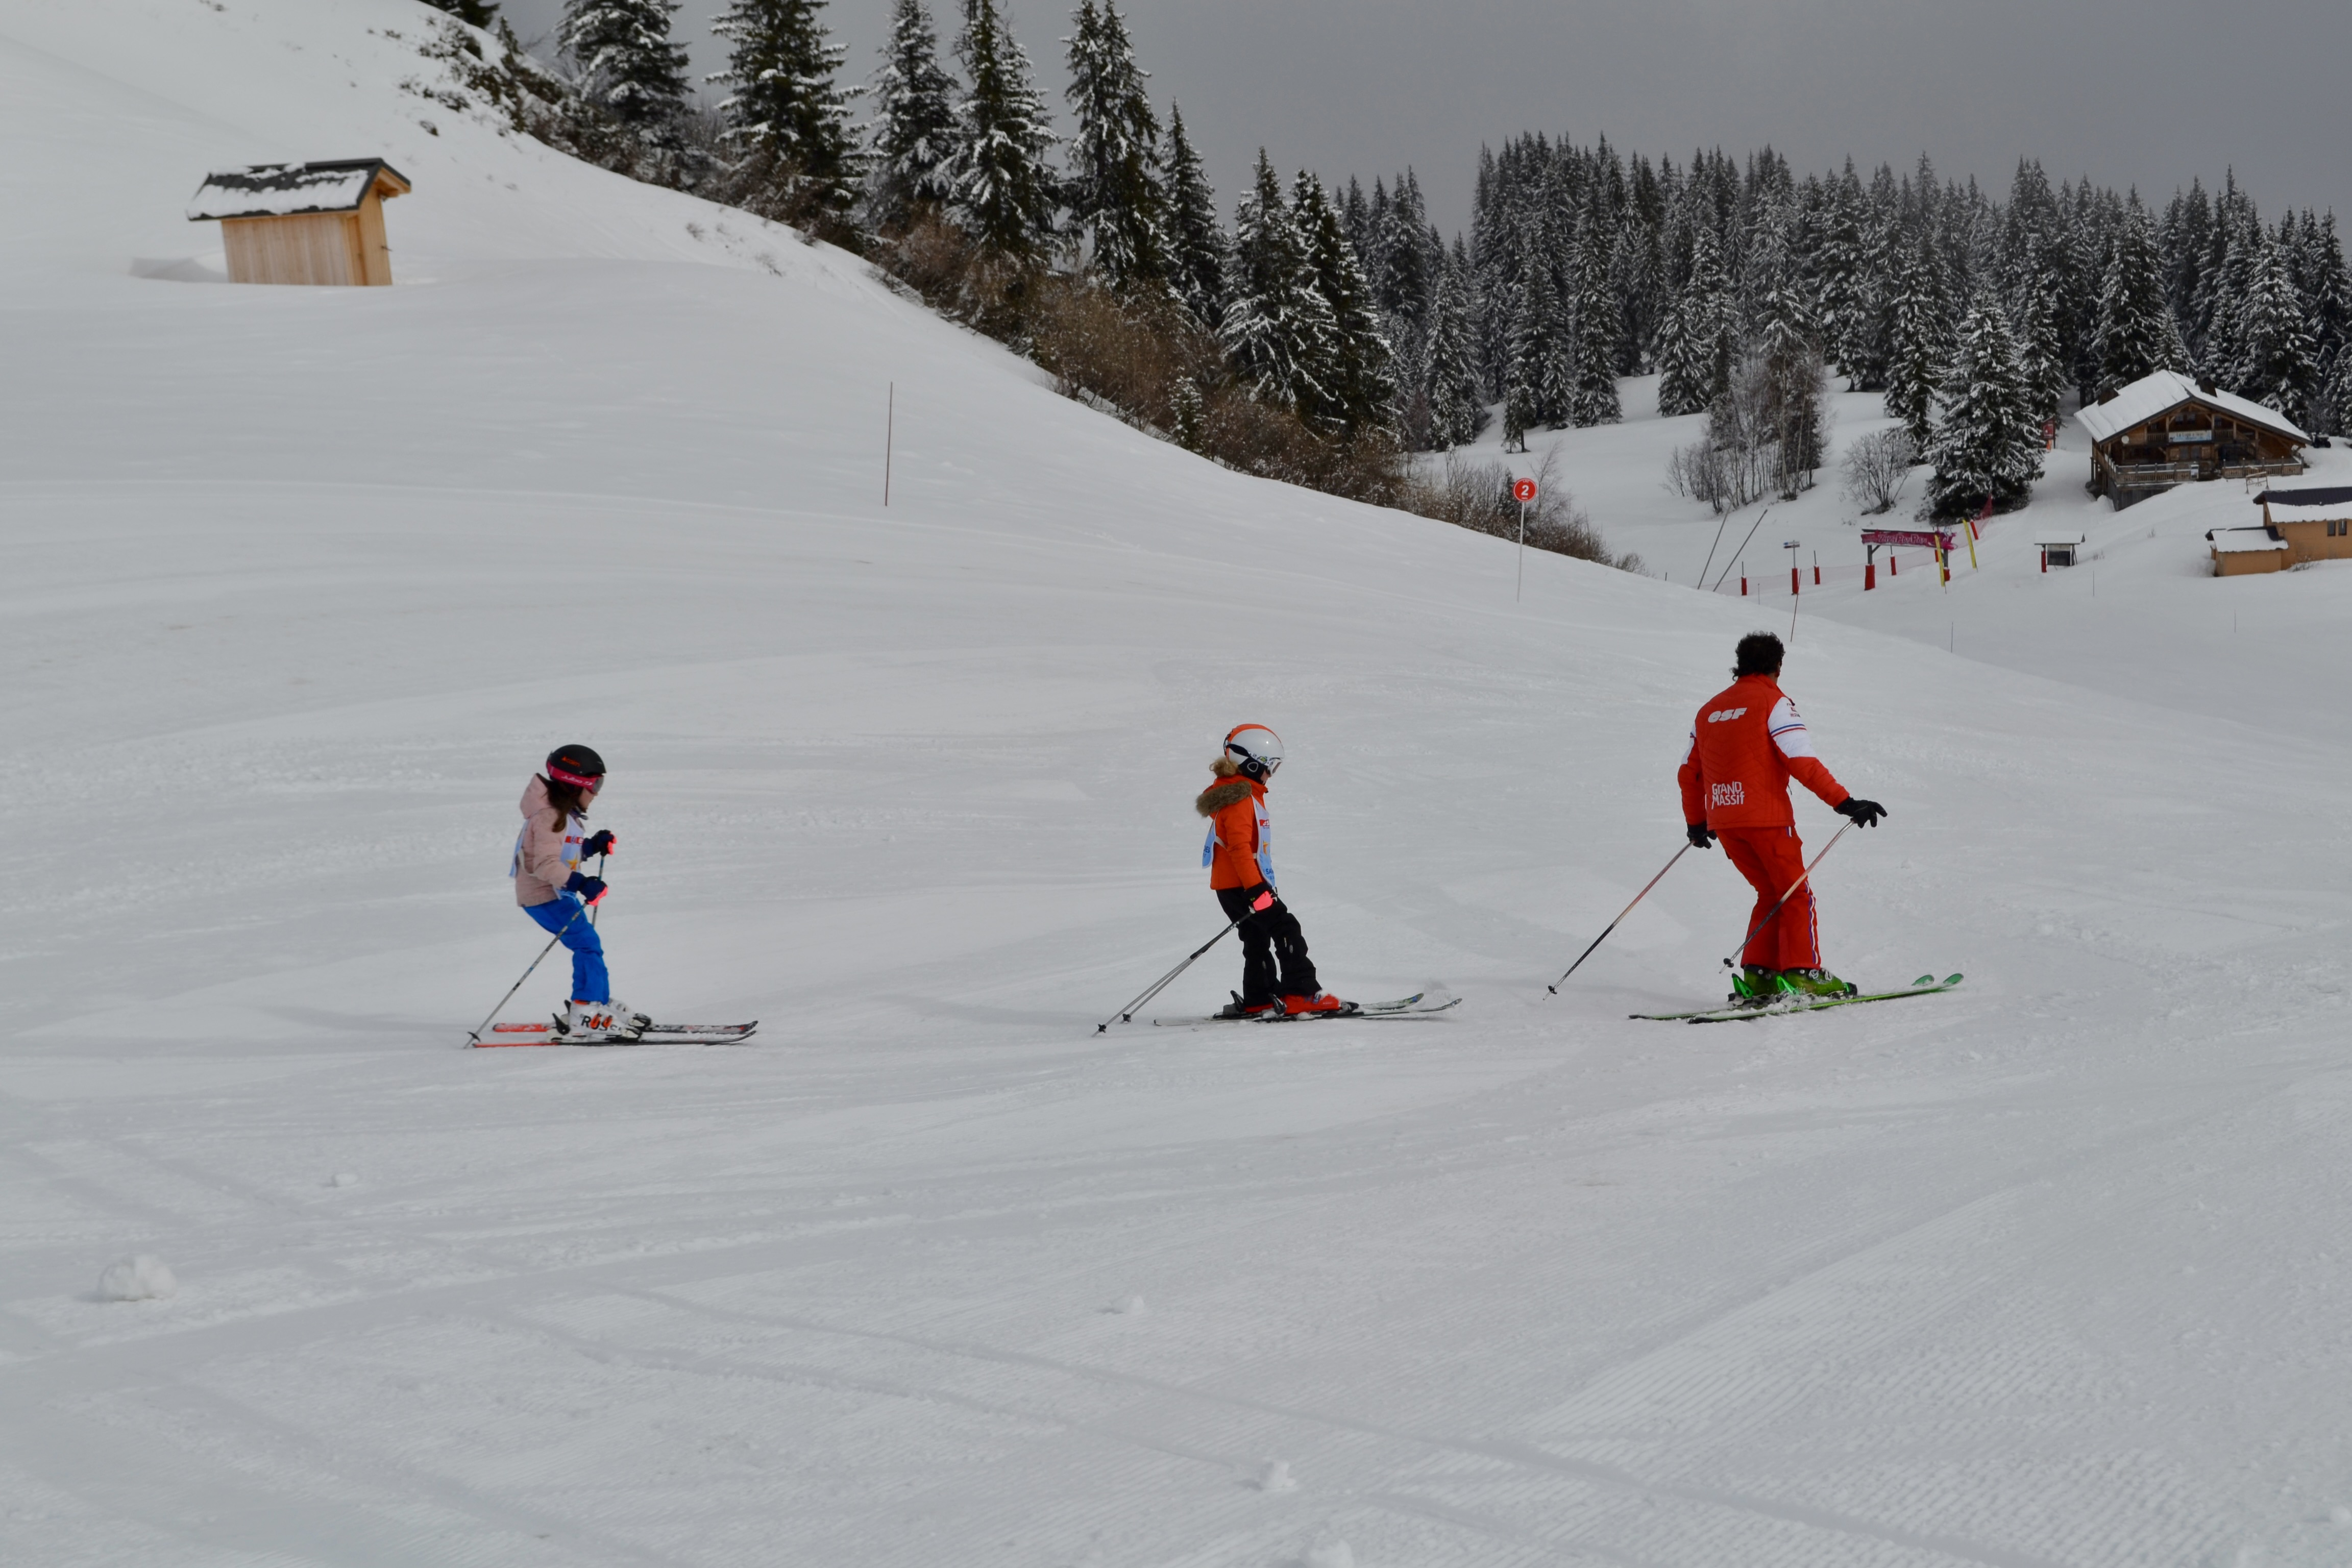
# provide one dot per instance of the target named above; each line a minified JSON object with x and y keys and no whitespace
{"x":2060,"y":536}
{"x":276,"y":190}
{"x":2241,"y":540}
{"x":2168,"y":389}
{"x":2314,"y":503}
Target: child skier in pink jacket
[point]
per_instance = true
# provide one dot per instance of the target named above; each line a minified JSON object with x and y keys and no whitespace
{"x":554,"y":891}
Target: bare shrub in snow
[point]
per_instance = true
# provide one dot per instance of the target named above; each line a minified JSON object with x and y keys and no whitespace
{"x":140,"y":1277}
{"x":1764,"y":436}
{"x":1875,"y":469}
{"x":1477,"y":496}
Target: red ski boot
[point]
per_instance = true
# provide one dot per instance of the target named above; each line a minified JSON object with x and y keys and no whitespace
{"x":1321,"y":1002}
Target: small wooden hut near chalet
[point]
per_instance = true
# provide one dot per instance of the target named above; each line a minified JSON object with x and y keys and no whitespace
{"x":2310,"y":523}
{"x":2166,"y":429}
{"x":304,"y":223}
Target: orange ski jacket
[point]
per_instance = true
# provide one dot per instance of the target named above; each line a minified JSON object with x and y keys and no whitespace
{"x":1746,"y":745}
{"x":1239,"y":852}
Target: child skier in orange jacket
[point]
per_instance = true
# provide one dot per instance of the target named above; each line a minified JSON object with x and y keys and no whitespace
{"x":1747,"y":743}
{"x":1278,"y":977}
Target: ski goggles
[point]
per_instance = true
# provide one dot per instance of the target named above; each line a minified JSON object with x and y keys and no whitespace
{"x":592,"y":783}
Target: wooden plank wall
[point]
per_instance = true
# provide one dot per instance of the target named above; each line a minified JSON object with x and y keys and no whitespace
{"x":307,"y":248}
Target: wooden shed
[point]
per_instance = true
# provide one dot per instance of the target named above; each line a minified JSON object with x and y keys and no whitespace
{"x":2168,"y":429}
{"x":2315,"y":521}
{"x":2252,"y":548}
{"x":304,"y":223}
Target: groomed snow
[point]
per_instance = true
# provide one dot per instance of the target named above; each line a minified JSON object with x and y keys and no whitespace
{"x":303,"y":581}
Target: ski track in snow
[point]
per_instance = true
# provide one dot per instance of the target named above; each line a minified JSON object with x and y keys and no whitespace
{"x":2046,"y":1272}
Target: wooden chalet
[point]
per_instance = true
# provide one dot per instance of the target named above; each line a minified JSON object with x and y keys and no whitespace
{"x":2168,"y":429}
{"x":304,"y":223}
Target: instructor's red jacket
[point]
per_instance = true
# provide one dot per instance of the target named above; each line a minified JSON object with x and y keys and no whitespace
{"x":1746,"y":745}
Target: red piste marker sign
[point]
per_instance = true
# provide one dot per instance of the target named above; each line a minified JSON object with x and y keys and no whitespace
{"x":1523,"y":491}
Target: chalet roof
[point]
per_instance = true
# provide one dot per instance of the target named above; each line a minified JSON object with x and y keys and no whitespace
{"x":2244,"y":540}
{"x":2166,"y":390}
{"x":276,"y":190}
{"x":2313,"y":503}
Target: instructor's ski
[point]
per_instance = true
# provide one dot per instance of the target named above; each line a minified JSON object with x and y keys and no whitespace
{"x":1416,"y":1005}
{"x":657,"y":1035}
{"x":1926,"y":985}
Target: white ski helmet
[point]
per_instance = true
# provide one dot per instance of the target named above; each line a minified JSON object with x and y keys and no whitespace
{"x":1257,"y":749}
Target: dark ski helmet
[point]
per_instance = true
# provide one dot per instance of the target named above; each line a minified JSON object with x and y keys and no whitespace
{"x":578,"y":766}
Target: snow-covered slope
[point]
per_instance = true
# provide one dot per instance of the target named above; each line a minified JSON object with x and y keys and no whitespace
{"x":301,"y":584}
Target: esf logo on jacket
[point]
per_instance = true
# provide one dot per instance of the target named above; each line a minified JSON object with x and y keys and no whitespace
{"x":1725,"y":715}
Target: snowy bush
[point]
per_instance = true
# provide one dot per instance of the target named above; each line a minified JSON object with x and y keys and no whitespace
{"x":142,"y":1276}
{"x":1876,"y":468}
{"x":1477,"y":496}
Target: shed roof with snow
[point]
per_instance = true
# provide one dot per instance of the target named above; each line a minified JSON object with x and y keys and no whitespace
{"x":2314,"y":503}
{"x":281,"y":190}
{"x":2166,"y":390}
{"x":2241,"y":540}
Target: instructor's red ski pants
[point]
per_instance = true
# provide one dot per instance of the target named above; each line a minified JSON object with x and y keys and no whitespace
{"x":1773,"y":859}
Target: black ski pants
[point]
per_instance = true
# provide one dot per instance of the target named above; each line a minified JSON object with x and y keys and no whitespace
{"x":1273,"y":950}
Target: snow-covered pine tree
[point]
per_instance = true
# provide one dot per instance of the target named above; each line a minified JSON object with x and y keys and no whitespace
{"x":786,"y":107}
{"x":2040,"y":355}
{"x":913,"y":129}
{"x":1115,"y":199}
{"x":1522,"y":372}
{"x":2276,"y":366}
{"x":2137,"y":334}
{"x":1841,"y":265}
{"x":1598,"y":322}
{"x":2340,"y":393}
{"x":1457,"y":405}
{"x":473,"y":13}
{"x":1276,"y":330}
{"x":1407,"y":281}
{"x":1987,"y":442}
{"x":1358,"y":380}
{"x":628,"y":66}
{"x":1706,"y":336}
{"x":1918,"y":354}
{"x":1196,"y":245}
{"x":1000,"y":190}
{"x":2326,"y":288}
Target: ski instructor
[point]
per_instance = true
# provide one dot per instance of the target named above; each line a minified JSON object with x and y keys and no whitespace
{"x":1746,"y":744}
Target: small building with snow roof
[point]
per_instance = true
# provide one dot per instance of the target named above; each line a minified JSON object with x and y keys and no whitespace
{"x":2253,"y":547}
{"x":304,"y":223}
{"x":2314,"y":521}
{"x":2168,"y":429}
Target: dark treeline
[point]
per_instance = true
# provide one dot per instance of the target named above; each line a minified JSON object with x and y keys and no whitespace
{"x":1583,"y":265}
{"x":1320,"y":336}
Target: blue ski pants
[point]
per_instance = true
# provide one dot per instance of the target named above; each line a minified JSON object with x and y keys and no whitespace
{"x":589,"y":980}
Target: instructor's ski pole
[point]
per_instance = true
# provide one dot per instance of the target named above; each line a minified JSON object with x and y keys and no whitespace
{"x":1555,"y":986}
{"x":1733,"y":961}
{"x":1127,"y":1014}
{"x":477,"y":1034}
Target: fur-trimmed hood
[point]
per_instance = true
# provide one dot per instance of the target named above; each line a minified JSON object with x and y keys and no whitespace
{"x":1230,"y":788}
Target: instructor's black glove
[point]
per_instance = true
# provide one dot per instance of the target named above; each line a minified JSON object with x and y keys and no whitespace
{"x":1261,"y":897}
{"x":591,"y":890}
{"x":1864,"y":813}
{"x":599,"y":843}
{"x":1702,"y":836}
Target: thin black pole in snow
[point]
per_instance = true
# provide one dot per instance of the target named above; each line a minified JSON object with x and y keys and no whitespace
{"x":1520,"y":588}
{"x":1127,"y":1014}
{"x":1720,"y":522}
{"x":890,"y":438}
{"x":1555,"y":986}
{"x":1733,"y":961}
{"x":475,"y":1036}
{"x":1743,"y":543}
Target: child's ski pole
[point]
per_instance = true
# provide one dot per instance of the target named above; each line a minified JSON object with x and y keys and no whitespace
{"x":477,"y":1034}
{"x":1555,"y":986}
{"x":1733,"y":961}
{"x":1127,"y":1014}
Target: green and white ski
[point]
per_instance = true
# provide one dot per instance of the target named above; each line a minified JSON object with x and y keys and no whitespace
{"x":1926,"y":985}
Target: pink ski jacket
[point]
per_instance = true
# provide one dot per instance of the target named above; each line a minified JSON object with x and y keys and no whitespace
{"x":544,"y":854}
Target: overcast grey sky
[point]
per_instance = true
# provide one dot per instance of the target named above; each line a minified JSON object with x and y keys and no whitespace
{"x":2127,"y":92}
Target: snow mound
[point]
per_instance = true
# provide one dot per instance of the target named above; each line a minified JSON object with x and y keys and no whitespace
{"x":142,"y":1276}
{"x":1276,"y":1478}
